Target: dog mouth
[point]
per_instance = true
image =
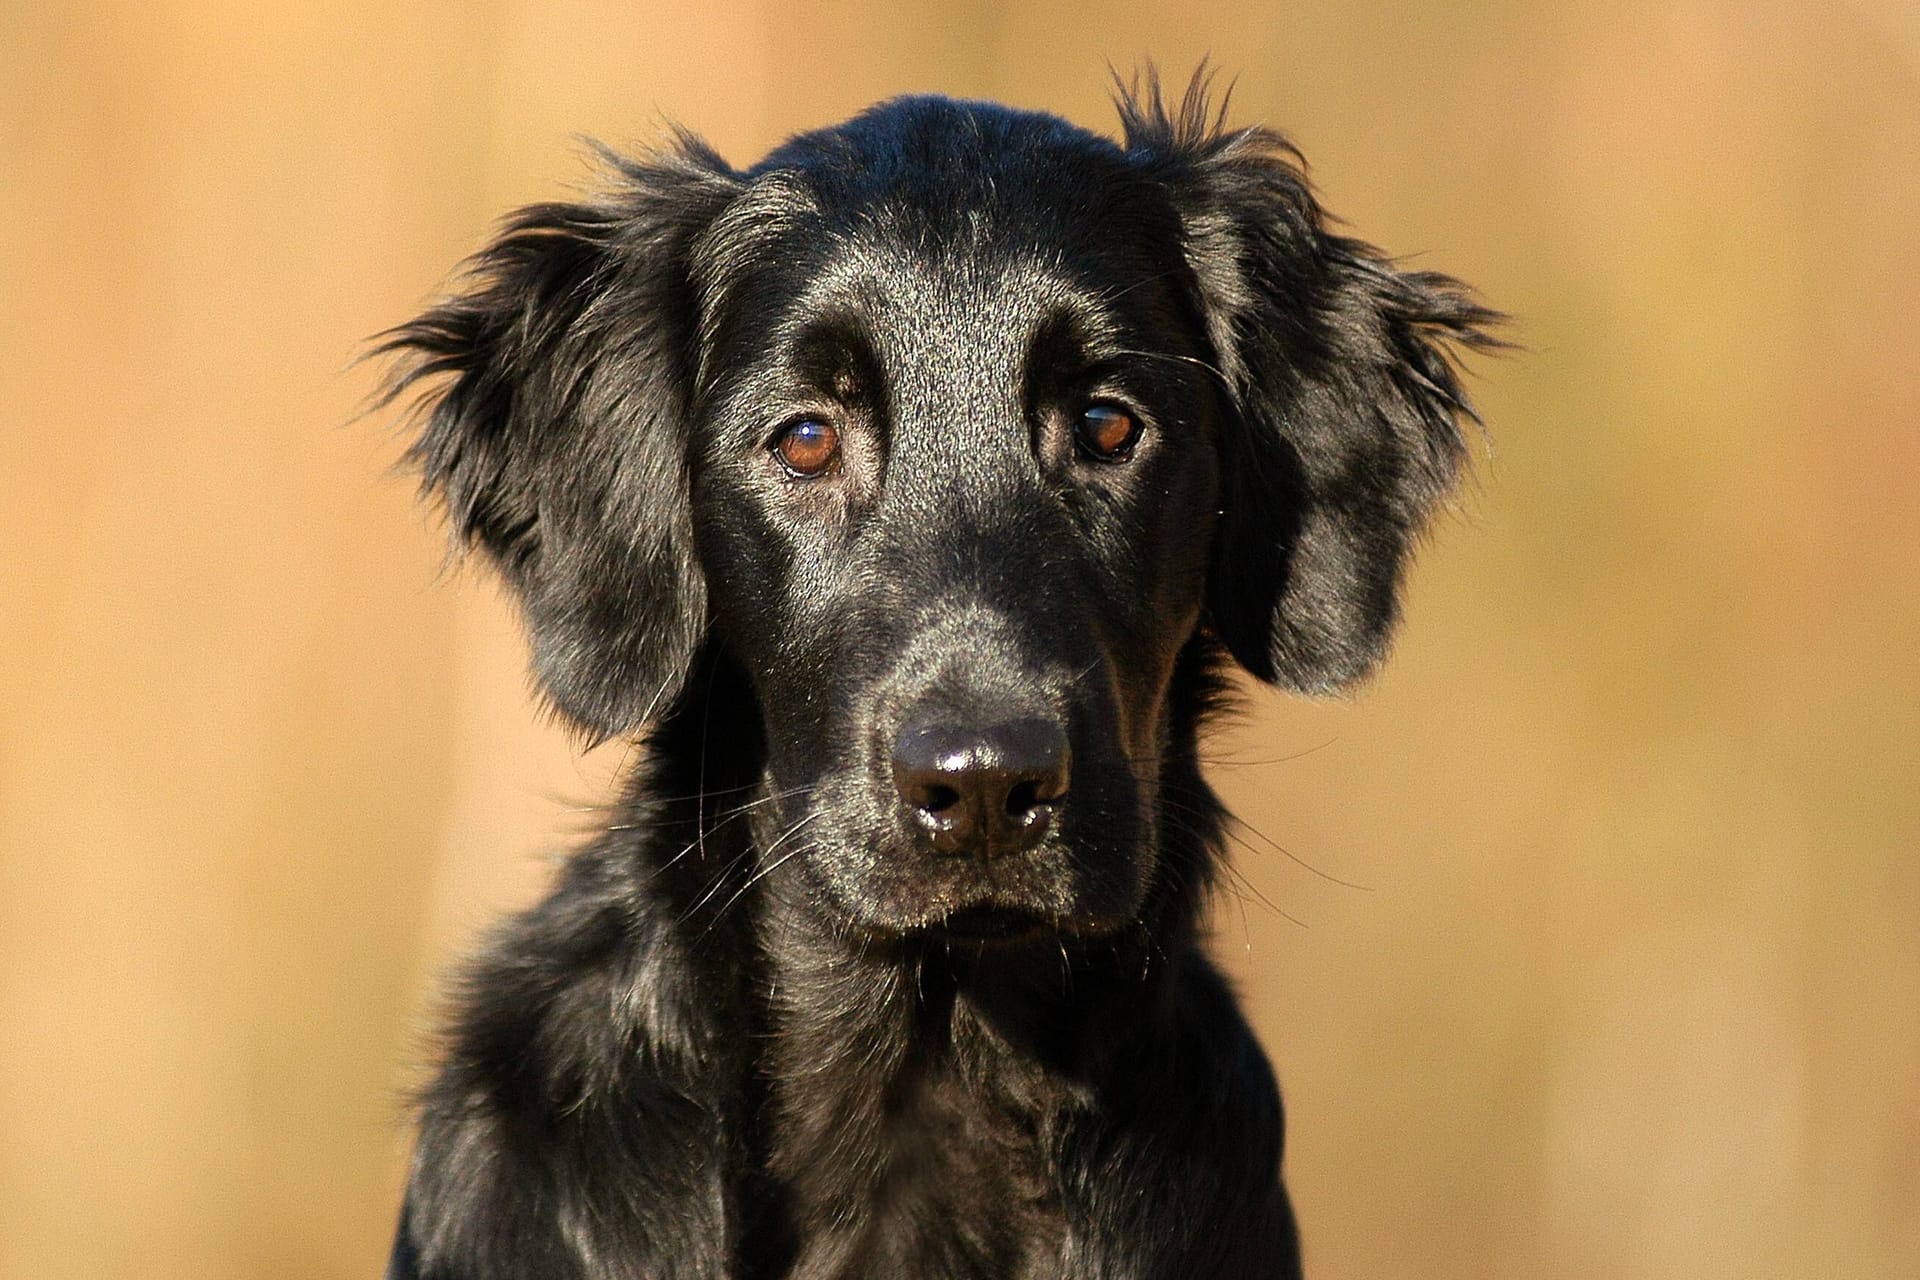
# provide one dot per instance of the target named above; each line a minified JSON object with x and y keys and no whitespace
{"x":992,"y":924}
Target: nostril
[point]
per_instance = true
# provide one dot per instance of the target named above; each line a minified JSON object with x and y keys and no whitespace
{"x":1025,"y":797}
{"x":935,"y":798}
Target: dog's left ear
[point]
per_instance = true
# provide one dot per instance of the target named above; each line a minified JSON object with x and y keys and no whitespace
{"x":556,"y":436}
{"x":1343,"y":406}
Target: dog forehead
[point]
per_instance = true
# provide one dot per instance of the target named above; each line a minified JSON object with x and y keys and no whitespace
{"x":937,"y":313}
{"x":943,"y":229}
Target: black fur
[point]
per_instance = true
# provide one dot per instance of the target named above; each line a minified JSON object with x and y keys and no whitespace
{"x":762,"y":1027}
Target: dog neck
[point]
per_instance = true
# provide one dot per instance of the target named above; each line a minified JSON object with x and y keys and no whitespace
{"x":915,"y":1086}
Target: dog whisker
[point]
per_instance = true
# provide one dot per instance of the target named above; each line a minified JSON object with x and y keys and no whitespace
{"x":757,"y":876}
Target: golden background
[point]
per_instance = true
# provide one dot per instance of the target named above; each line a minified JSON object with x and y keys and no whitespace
{"x":1633,"y":988}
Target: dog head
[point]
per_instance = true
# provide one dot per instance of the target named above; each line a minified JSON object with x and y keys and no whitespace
{"x":954,"y":427}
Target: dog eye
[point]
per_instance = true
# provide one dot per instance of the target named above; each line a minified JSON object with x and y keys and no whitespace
{"x":1107,"y":432}
{"x":808,"y":447}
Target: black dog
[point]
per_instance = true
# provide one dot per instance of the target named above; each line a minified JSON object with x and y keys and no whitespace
{"x":909,"y":492}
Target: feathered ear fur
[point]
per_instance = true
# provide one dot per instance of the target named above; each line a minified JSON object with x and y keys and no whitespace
{"x":555,"y":427}
{"x":1344,"y":404}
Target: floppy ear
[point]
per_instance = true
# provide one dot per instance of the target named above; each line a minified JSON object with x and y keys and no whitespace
{"x":1343,"y":417}
{"x":555,"y":430}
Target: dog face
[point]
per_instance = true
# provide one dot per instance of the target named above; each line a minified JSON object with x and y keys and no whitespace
{"x":954,"y":427}
{"x":955,"y":487}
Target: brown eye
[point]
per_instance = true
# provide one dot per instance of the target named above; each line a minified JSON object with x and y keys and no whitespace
{"x":1107,"y":433}
{"x":808,"y":447}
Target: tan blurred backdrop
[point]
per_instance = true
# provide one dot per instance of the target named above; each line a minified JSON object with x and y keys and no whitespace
{"x":1633,"y":985}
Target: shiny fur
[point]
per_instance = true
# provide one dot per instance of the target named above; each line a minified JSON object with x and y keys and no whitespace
{"x":760,"y":1027}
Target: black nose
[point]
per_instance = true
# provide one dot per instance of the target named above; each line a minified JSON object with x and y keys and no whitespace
{"x":982,"y":791}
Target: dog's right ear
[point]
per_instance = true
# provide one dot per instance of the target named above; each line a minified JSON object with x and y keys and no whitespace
{"x":555,"y":427}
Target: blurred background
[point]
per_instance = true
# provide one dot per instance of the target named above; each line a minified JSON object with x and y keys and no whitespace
{"x":1631,"y":987}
